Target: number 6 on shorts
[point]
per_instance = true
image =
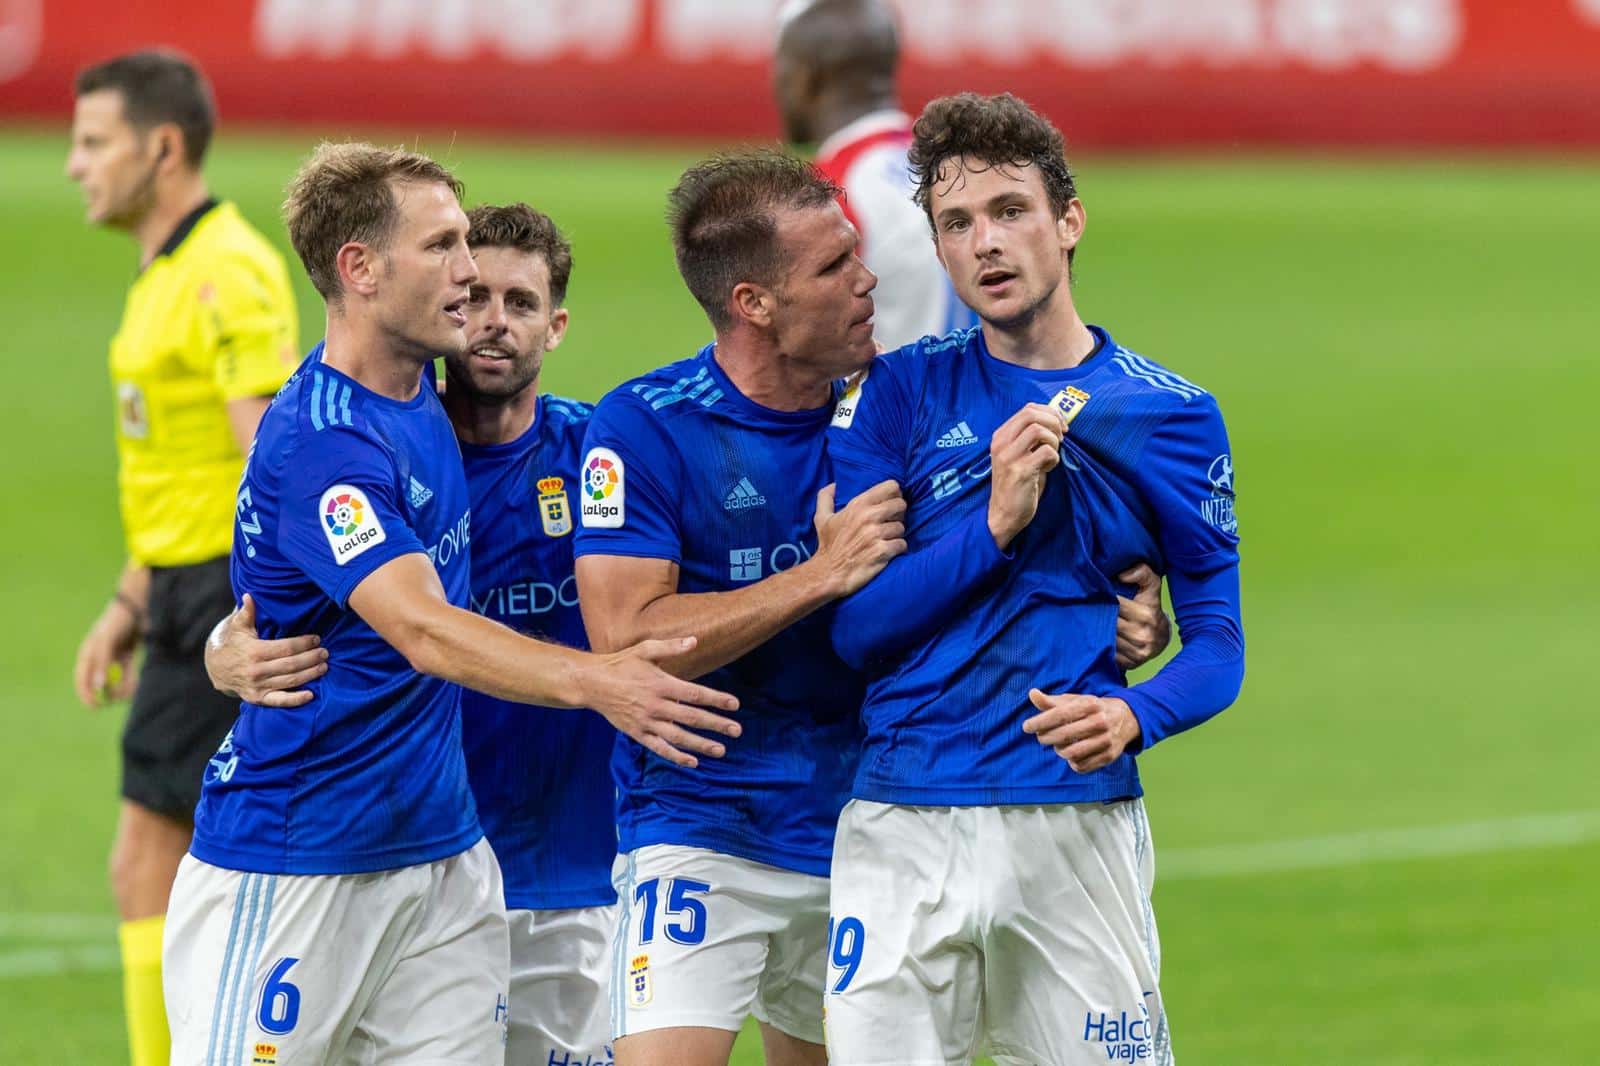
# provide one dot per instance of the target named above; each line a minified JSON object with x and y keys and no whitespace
{"x":280,"y":1001}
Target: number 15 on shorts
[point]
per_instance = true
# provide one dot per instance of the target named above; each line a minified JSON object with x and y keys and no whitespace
{"x":847,"y":940}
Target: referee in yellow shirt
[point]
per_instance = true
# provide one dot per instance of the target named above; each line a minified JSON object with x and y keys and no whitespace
{"x":207,"y":336}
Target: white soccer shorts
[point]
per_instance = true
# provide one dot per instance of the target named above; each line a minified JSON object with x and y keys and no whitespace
{"x":706,"y":939}
{"x":406,"y":966}
{"x":1026,"y":932}
{"x":561,"y":987}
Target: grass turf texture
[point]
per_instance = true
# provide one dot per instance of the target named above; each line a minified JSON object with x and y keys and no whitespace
{"x":1404,"y":351}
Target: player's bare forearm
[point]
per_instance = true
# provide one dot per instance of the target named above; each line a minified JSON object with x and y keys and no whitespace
{"x":626,"y":600}
{"x":666,"y":715}
{"x":403,"y":601}
{"x":481,"y":654}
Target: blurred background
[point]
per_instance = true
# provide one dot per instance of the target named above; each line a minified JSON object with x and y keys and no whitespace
{"x":1368,"y":226}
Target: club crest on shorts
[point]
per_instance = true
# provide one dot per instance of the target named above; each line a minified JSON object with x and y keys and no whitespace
{"x":554,"y":511}
{"x":1069,"y":401}
{"x":639,"y":990}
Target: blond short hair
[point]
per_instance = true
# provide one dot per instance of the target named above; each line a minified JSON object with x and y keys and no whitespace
{"x":344,"y":193}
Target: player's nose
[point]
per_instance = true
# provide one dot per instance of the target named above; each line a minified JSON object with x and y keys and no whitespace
{"x":868,"y":282}
{"x":986,"y":238}
{"x":463,"y":268}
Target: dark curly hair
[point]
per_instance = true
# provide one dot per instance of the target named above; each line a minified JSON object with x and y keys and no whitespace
{"x":723,"y":217}
{"x":998,"y":130}
{"x":521,"y":228}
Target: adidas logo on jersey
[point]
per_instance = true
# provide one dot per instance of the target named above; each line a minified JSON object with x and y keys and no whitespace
{"x":743,"y":496}
{"x":958,"y":436}
{"x":420,"y":493}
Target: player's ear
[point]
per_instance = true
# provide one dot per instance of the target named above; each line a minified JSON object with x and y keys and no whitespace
{"x":358,"y":268}
{"x":558,"y":329}
{"x":1069,"y":227}
{"x":753,"y":303}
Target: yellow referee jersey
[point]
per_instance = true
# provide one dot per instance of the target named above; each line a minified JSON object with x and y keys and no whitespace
{"x":211,"y":319}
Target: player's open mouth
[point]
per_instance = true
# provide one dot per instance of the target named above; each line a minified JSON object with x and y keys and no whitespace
{"x":994,"y":282}
{"x":492,"y":352}
{"x":453,"y":311}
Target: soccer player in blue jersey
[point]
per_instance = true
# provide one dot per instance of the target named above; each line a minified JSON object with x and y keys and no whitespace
{"x":706,"y":499}
{"x":542,"y":782}
{"x":338,"y":900}
{"x":992,"y":874}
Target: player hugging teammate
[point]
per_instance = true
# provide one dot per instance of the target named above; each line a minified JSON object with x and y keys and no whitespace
{"x":923,"y":592}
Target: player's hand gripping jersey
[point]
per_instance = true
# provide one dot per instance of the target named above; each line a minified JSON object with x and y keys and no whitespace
{"x":541,"y":776}
{"x":680,"y":466}
{"x":955,"y":633}
{"x":369,"y":775}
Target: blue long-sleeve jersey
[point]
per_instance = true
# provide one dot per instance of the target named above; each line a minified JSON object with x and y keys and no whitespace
{"x":955,"y":633}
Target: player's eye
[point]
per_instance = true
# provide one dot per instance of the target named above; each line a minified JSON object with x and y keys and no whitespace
{"x":1012,"y":212}
{"x":477,"y":297}
{"x":955,"y":225}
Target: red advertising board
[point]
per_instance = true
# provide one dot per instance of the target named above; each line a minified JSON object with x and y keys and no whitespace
{"x":1111,"y":72}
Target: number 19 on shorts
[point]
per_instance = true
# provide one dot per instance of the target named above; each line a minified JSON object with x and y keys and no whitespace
{"x":847,"y":940}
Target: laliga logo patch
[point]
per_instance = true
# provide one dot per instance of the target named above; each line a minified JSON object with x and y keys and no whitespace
{"x":604,"y":490}
{"x":553,"y":509}
{"x":350,"y":522}
{"x":639,"y":991}
{"x":1069,"y":401}
{"x":1218,"y":509}
{"x":844,"y":411}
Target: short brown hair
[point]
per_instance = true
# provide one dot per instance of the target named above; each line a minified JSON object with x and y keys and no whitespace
{"x":723,"y":217}
{"x":520,"y":227}
{"x":345,"y":192}
{"x":998,"y":130}
{"x":158,"y":86}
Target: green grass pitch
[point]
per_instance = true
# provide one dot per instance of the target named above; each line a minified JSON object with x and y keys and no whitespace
{"x":1386,"y":853}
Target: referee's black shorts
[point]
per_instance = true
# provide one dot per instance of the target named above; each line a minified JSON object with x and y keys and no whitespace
{"x":177,"y":718}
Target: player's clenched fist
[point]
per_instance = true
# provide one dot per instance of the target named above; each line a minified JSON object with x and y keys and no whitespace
{"x":1024,"y":450}
{"x":1087,"y":731}
{"x":654,"y":708}
{"x":855,"y":544}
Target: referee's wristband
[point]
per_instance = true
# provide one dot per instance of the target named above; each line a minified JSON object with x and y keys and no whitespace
{"x":131,"y":607}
